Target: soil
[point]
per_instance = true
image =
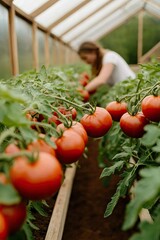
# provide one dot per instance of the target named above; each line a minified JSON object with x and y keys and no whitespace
{"x":88,"y":202}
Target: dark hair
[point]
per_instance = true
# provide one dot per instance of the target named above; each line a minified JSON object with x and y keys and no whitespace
{"x":89,"y":47}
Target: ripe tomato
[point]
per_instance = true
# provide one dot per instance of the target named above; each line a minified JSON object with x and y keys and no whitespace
{"x":11,"y":149}
{"x":84,"y":93}
{"x":83,"y":81}
{"x":74,"y":113}
{"x":116,"y":109}
{"x":3,"y":178}
{"x":41,"y":146}
{"x":3,"y":228}
{"x":37,"y":180}
{"x":133,"y":126}
{"x":98,"y":123}
{"x":151,"y":108}
{"x":54,"y":119}
{"x":70,"y":146}
{"x":15,"y":215}
{"x":85,"y":75}
{"x":77,"y":127}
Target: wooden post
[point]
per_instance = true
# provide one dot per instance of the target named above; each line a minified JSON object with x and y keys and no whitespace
{"x":140,"y":36}
{"x":57,"y":222}
{"x":13,"y":41}
{"x":47,"y":56}
{"x":35,"y":45}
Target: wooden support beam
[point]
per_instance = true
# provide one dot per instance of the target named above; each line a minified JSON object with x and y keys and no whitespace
{"x":13,"y":41}
{"x":140,"y":36}
{"x":57,"y":222}
{"x":86,"y":17}
{"x":42,"y":8}
{"x":47,"y":55}
{"x":97,"y":22}
{"x":152,"y":51}
{"x":35,"y":45}
{"x":68,"y":14}
{"x":7,"y":2}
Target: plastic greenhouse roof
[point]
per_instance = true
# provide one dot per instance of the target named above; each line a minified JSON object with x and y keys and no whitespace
{"x":80,"y":20}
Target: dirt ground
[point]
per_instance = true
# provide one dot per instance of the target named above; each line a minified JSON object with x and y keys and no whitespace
{"x":88,"y":202}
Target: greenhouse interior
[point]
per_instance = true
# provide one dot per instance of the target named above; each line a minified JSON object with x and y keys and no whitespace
{"x":80,"y":119}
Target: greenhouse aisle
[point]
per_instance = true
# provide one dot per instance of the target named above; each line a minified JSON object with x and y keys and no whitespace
{"x":88,"y":202}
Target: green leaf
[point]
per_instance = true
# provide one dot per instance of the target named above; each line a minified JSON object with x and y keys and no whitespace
{"x":121,"y":155}
{"x":148,"y":231}
{"x":150,"y":138}
{"x":9,"y":195}
{"x":146,"y":190}
{"x":110,"y":170}
{"x":28,"y":232}
{"x":38,"y":206}
{"x":122,"y":188}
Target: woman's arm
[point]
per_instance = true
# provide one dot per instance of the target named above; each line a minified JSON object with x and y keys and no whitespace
{"x":102,"y":78}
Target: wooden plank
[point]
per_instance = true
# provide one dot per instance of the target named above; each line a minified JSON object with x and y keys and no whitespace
{"x":13,"y":41}
{"x":86,"y":17}
{"x":42,"y":8}
{"x":67,"y":14}
{"x":7,"y":2}
{"x":57,"y":222}
{"x":140,"y":36}
{"x":47,"y":56}
{"x":152,"y":51}
{"x":100,"y":20}
{"x":35,"y":45}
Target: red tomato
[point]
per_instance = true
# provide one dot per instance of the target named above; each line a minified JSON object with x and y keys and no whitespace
{"x":54,"y":119}
{"x":116,"y":109}
{"x":3,"y":228}
{"x":84,"y":93}
{"x":133,"y":126}
{"x":3,"y":178}
{"x":41,"y":146}
{"x":70,"y":146}
{"x":151,"y":108}
{"x":15,"y":215}
{"x":85,"y":74}
{"x":98,"y":123}
{"x":83,"y":81}
{"x":37,"y":180}
{"x":66,"y":112}
{"x":40,"y":117}
{"x":74,"y":113}
{"x":11,"y":149}
{"x":77,"y":127}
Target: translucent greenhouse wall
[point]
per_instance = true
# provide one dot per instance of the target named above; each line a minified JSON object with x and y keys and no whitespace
{"x":41,"y":47}
{"x":5,"y":61}
{"x":24,"y":44}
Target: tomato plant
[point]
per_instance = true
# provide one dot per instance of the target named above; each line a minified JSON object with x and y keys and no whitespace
{"x":116,"y":109}
{"x":30,"y":179}
{"x":151,"y":108}
{"x":98,"y":123}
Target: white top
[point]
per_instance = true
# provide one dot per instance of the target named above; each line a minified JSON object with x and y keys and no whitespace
{"x":121,"y":69}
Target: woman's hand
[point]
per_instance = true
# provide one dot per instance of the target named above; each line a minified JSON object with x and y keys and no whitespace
{"x":102,"y":78}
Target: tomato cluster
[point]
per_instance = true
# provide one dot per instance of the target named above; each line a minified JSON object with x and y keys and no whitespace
{"x":133,"y":125}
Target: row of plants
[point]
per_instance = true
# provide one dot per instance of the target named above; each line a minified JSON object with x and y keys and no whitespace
{"x":131,"y":148}
{"x":45,"y":122}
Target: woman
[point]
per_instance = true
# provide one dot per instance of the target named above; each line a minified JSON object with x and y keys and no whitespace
{"x":107,"y":66}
